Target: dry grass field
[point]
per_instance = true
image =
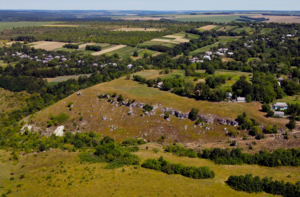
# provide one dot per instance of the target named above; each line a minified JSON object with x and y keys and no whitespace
{"x":279,"y":19}
{"x":12,"y":100}
{"x":47,"y":45}
{"x":109,"y":49}
{"x":59,"y":173}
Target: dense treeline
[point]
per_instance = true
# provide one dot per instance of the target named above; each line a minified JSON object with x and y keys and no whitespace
{"x":251,"y":184}
{"x":171,"y":168}
{"x":93,"y":48}
{"x":279,"y":157}
{"x":71,"y":46}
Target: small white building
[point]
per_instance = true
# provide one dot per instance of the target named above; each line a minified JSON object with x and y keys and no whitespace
{"x":230,"y":53}
{"x":206,"y":57}
{"x":240,"y":99}
{"x":129,"y":66}
{"x":289,"y":35}
{"x":95,"y":64}
{"x":279,"y":113}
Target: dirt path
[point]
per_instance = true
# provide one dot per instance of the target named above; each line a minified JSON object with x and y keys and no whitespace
{"x":109,"y":50}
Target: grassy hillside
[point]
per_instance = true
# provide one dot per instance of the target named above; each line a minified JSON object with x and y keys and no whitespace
{"x":12,"y":100}
{"x":88,"y":113}
{"x":59,"y":173}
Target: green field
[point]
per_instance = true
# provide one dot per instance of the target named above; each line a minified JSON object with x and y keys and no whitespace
{"x":247,"y":29}
{"x":64,"y":78}
{"x":141,"y":53}
{"x":290,"y":99}
{"x":190,"y":36}
{"x":124,"y":52}
{"x":266,"y":30}
{"x":11,"y":25}
{"x":227,"y":28}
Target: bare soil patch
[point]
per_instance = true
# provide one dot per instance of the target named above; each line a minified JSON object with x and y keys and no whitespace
{"x":208,"y":27}
{"x":109,"y":50}
{"x":12,"y":42}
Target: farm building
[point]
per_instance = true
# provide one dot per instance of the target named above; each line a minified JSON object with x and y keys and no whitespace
{"x":240,"y":99}
{"x":279,"y":113}
{"x":280,"y":106}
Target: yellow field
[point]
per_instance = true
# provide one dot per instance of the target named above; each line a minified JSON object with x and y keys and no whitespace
{"x":58,"y":173}
{"x":208,"y":27}
{"x":47,"y":45}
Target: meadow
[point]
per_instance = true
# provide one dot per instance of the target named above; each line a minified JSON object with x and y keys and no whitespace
{"x":59,"y":173}
{"x":56,"y":80}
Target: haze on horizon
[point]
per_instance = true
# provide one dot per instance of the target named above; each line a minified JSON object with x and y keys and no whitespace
{"x":165,"y":5}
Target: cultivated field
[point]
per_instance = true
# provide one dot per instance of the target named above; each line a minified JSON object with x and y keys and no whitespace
{"x":279,"y":19}
{"x":170,"y":40}
{"x":208,"y":27}
{"x":59,"y":173}
{"x":47,"y":45}
{"x":109,"y":49}
{"x":58,"y":25}
{"x":125,"y":52}
{"x":138,"y":29}
{"x":11,"y":25}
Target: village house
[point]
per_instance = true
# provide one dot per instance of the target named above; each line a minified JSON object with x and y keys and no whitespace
{"x":159,"y":84}
{"x":230,"y":53}
{"x":280,"y":106}
{"x":208,"y":53}
{"x":129,"y":66}
{"x":95,"y":64}
{"x":64,"y":59}
{"x":240,"y":99}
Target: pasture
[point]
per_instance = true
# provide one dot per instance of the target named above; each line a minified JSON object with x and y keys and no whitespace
{"x":56,"y":173}
{"x":247,"y":29}
{"x":109,"y":49}
{"x":11,"y":25}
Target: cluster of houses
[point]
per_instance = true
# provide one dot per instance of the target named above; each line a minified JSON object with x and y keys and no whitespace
{"x":44,"y":60}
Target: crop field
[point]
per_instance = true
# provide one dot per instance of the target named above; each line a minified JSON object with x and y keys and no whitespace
{"x":247,"y":29}
{"x":47,"y":45}
{"x":206,"y":48}
{"x":207,"y":27}
{"x":11,"y":25}
{"x":227,"y":28}
{"x":138,"y":29}
{"x":149,"y":52}
{"x":123,"y":52}
{"x":53,"y":81}
{"x":59,"y":173}
{"x":170,"y":40}
{"x":212,"y":18}
{"x":82,"y":50}
{"x":109,"y":49}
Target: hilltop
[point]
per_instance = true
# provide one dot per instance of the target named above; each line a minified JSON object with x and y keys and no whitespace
{"x":88,"y":112}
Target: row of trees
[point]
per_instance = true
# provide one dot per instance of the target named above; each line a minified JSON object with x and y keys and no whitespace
{"x":170,"y":168}
{"x":279,"y":157}
{"x":251,"y":184}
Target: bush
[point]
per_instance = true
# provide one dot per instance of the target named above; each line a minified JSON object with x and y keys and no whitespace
{"x":193,"y":114}
{"x":210,"y":69}
{"x":147,"y":107}
{"x":93,"y":48}
{"x":71,"y":46}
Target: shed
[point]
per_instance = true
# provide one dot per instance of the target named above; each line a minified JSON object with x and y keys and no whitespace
{"x":279,"y":113}
{"x":241,"y":99}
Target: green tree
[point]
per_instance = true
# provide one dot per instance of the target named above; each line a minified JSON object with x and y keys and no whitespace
{"x":135,"y":54}
{"x":193,"y":114}
{"x":210,"y":69}
{"x":292,"y":124}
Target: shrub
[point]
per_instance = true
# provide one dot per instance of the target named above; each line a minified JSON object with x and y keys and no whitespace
{"x":193,"y":114}
{"x":147,"y":107}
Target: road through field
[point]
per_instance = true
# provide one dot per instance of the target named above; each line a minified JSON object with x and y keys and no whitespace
{"x":109,"y":50}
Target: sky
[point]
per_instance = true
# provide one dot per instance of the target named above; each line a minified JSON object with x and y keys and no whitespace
{"x":151,"y":4}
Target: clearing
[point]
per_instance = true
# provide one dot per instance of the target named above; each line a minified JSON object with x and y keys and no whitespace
{"x":53,"y":81}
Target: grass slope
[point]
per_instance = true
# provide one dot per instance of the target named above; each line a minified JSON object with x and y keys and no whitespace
{"x":58,"y":173}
